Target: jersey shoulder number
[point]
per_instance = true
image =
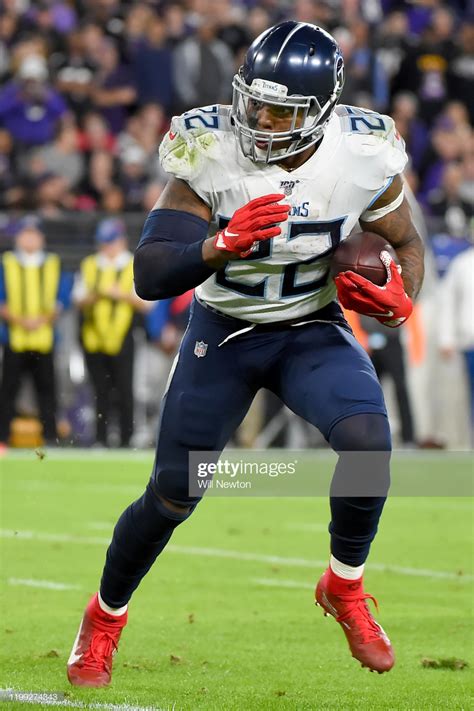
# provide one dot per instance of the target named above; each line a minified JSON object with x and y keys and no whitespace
{"x":372,"y":138}
{"x":194,"y":138}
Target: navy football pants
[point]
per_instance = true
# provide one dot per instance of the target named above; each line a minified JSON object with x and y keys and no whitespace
{"x":318,"y":370}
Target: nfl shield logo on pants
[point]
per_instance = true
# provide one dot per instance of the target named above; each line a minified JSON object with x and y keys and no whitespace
{"x":200,"y":349}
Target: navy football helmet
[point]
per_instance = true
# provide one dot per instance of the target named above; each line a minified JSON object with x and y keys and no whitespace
{"x":297,"y":71}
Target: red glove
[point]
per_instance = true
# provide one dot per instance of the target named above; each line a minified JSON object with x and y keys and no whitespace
{"x":255,"y":221}
{"x":389,"y":304}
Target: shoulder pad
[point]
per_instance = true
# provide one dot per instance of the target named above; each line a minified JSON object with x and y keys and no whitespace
{"x":374,"y":140}
{"x":193,"y":138}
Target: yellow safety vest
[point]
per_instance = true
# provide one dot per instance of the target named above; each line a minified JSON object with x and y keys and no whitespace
{"x":107,"y":322}
{"x":31,"y":291}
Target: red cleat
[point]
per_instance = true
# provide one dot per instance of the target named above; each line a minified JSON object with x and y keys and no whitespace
{"x":90,"y":663}
{"x":346,"y":601}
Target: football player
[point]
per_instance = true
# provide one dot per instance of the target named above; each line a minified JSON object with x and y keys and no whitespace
{"x":261,"y":194}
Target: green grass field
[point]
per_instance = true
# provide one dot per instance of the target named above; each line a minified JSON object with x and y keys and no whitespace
{"x":225,"y":619}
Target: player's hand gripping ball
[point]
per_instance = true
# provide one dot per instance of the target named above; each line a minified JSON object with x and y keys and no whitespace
{"x":256,"y":221}
{"x":368,"y":279}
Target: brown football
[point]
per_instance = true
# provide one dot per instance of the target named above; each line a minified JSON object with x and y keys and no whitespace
{"x":360,"y":253}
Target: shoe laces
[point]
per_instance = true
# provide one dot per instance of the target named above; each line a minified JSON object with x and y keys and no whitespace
{"x":357,"y":611}
{"x":103,"y":644}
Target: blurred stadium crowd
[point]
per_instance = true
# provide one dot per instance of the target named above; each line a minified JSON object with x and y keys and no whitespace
{"x":87,"y":91}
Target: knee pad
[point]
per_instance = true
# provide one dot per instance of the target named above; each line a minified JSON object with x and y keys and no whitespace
{"x":152,"y":519}
{"x":363,"y":443}
{"x":361,"y":433}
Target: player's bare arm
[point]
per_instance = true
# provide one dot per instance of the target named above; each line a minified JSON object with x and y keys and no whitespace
{"x":178,"y":195}
{"x":398,"y":229}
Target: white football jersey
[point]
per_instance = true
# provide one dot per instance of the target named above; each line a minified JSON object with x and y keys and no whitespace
{"x":287,"y":276}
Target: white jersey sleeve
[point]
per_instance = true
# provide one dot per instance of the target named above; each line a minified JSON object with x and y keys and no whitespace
{"x":376,"y":151}
{"x":192,"y":149}
{"x":288,"y":276}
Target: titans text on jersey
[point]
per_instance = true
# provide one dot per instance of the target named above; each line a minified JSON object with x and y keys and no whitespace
{"x":260,"y":195}
{"x":287,"y":276}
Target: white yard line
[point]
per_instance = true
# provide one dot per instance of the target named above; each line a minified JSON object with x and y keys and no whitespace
{"x":65,"y":485}
{"x":147,"y":455}
{"x":238,"y":555}
{"x":46,"y":584}
{"x":308,"y":527}
{"x":273,"y":583}
{"x":53,"y":537}
{"x":49,"y":698}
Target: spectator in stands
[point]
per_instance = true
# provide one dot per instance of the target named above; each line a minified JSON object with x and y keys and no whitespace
{"x":105,"y":295}
{"x":461,"y":69}
{"x":153,"y":124}
{"x":40,"y":18}
{"x":152,"y":65}
{"x":8,"y":30}
{"x":114,"y":91}
{"x":107,"y":14}
{"x":32,"y":294}
{"x":466,"y":189}
{"x":138,"y":19}
{"x":130,"y":136}
{"x":74,"y":75}
{"x":203,"y":68}
{"x":59,"y":15}
{"x":12,"y":193}
{"x":92,"y":38}
{"x":151,"y":195}
{"x":392,"y":43}
{"x":62,"y":156}
{"x":133,"y":177}
{"x":232,"y":26}
{"x":386,"y":352}
{"x":424,"y":70}
{"x":415,"y":134}
{"x":51,"y":196}
{"x":145,"y":130}
{"x":100,"y":176}
{"x":447,"y":204}
{"x":175,"y":20}
{"x":367,"y":73}
{"x":447,"y":145}
{"x":29,"y":107}
{"x":258,"y":20}
{"x":456,"y":316}
{"x":113,"y":201}
{"x":96,"y":135}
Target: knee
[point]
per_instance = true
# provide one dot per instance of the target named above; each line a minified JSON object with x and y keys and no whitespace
{"x":154,"y":516}
{"x":175,"y":508}
{"x":361,"y":433}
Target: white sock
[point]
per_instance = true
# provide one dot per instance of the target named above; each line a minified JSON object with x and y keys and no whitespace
{"x":115,"y":611}
{"x":348,"y":572}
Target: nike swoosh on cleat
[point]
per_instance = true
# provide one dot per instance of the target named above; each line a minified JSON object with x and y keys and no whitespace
{"x":74,"y":656}
{"x":387,"y":314}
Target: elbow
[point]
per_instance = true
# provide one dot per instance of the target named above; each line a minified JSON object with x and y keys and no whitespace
{"x":148,"y":289}
{"x":146,"y":276}
{"x":151,"y":280}
{"x":143,"y":291}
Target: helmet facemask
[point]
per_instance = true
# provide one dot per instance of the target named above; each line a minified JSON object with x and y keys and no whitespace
{"x":309,"y":116}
